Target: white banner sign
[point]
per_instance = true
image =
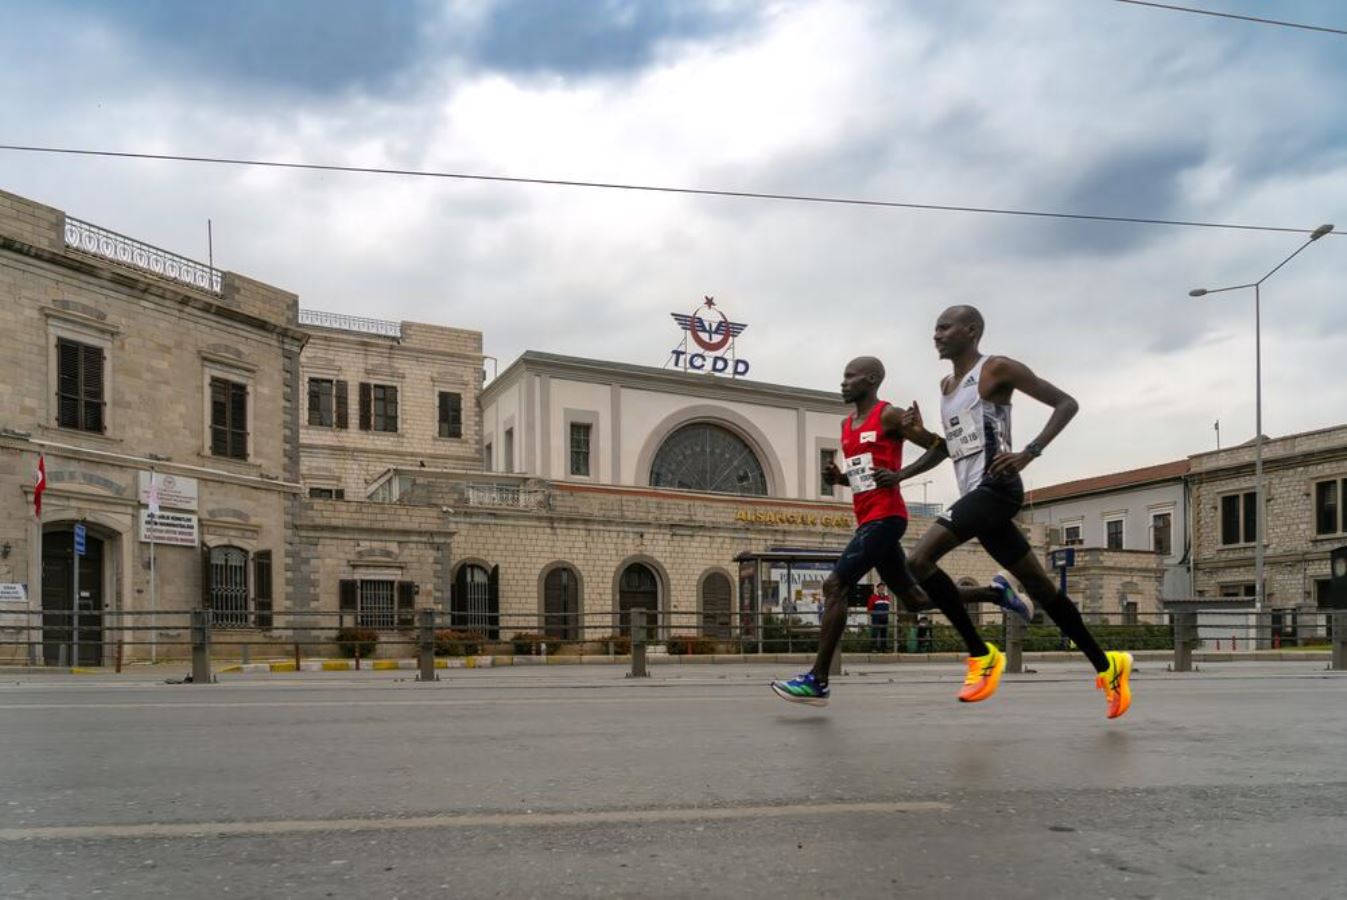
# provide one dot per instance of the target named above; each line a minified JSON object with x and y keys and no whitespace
{"x":175,"y":491}
{"x":169,"y":528}
{"x":13,"y":592}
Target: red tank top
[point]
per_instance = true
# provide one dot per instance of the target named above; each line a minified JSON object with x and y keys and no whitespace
{"x":865,"y":448}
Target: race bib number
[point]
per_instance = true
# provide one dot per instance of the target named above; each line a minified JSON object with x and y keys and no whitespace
{"x":964,"y":435}
{"x":861,"y":472}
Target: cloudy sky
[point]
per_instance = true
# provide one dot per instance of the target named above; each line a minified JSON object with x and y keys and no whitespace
{"x":1086,"y":106}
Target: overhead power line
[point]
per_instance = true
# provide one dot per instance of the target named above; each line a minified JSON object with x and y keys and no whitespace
{"x":654,"y":188}
{"x":1226,"y":15}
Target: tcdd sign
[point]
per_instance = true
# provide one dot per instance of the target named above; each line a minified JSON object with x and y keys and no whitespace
{"x":712,"y":335}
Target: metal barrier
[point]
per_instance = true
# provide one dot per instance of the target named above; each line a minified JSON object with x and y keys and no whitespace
{"x":423,"y":638}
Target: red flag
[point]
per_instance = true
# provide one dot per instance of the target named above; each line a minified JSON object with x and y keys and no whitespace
{"x":40,"y":485}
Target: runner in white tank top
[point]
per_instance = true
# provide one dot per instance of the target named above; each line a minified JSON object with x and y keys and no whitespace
{"x":976,"y":430}
{"x":975,"y":413}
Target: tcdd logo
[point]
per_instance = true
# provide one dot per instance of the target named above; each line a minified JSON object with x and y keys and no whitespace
{"x":714,"y":333}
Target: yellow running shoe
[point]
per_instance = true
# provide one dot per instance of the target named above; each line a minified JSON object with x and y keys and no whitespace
{"x":984,"y":674}
{"x":1116,"y":682}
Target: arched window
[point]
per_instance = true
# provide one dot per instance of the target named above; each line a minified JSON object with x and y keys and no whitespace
{"x":707,"y":457}
{"x":561,"y":604}
{"x":638,"y":588}
{"x":716,"y":599}
{"x":475,"y":604}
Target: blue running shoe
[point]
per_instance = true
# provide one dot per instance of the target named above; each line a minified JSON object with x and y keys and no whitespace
{"x":1010,"y":598}
{"x":802,"y":689}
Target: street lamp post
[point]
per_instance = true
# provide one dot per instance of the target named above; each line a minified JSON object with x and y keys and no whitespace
{"x":1259,"y":513}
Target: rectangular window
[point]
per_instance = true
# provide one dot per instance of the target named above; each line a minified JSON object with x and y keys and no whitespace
{"x":318,"y":493}
{"x":1242,"y":589}
{"x":375,"y":604}
{"x":228,"y":419}
{"x":509,"y":450}
{"x":486,"y":457}
{"x":1113,"y":534}
{"x":451,"y":415}
{"x":1329,"y":497}
{"x":580,"y":448}
{"x":1071,"y":536}
{"x":1239,"y":521}
{"x":79,"y":385}
{"x":322,"y":393}
{"x":227,"y":586}
{"x":262,"y":605}
{"x":1162,"y":533}
{"x":826,"y":458}
{"x":378,"y":407}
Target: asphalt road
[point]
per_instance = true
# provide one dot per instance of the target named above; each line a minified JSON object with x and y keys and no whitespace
{"x":577,"y":782}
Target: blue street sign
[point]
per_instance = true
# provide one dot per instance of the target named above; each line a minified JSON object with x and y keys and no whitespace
{"x":1062,"y":559}
{"x":79,"y":540}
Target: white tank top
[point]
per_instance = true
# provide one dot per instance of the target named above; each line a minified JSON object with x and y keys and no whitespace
{"x":975,"y":429}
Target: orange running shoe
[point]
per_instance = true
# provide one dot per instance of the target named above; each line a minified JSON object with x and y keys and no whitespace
{"x":1116,"y":683}
{"x":984,"y":674}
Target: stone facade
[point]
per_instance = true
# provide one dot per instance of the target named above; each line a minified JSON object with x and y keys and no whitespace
{"x":148,"y":345}
{"x":421,"y":362}
{"x":1117,"y":586}
{"x":1296,"y":561}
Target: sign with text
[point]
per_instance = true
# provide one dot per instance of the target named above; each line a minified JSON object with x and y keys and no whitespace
{"x":712,"y":337}
{"x":175,"y":491}
{"x":13,"y":592}
{"x":802,"y":519}
{"x":179,"y":529}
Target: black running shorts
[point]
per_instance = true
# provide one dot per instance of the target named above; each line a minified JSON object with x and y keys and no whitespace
{"x":875,"y":545}
{"x":988,"y":513}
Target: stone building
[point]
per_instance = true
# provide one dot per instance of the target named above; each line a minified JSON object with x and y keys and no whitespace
{"x":1130,"y":531}
{"x":1305,"y":492}
{"x":123,"y":360}
{"x":314,"y":470}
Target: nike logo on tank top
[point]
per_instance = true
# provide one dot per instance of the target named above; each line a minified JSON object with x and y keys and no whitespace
{"x":866,"y":447}
{"x":976,"y":430}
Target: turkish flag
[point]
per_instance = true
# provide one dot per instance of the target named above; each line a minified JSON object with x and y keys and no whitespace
{"x":40,"y":485}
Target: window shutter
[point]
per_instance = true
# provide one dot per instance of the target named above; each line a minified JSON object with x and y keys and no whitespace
{"x":493,"y":603}
{"x":1250,"y":518}
{"x":219,"y":417}
{"x":347,"y":594}
{"x":339,"y":401}
{"x":238,"y":421}
{"x":406,"y":604}
{"x":262,"y":588}
{"x":91,"y":370}
{"x":67,"y":384}
{"x":366,"y":402}
{"x":315,"y":403}
{"x":205,"y":578}
{"x":391,"y":408}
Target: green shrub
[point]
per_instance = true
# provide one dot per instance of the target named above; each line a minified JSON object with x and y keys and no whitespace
{"x":527,"y":644}
{"x":352,"y":640}
{"x":691,"y":645}
{"x":456,"y":642}
{"x":620,"y":643}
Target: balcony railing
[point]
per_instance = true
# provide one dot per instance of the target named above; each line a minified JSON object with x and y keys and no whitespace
{"x":344,"y":322}
{"x":89,"y":238}
{"x":507,"y":495}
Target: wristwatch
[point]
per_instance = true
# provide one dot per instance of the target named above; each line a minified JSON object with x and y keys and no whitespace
{"x":1034,"y":449}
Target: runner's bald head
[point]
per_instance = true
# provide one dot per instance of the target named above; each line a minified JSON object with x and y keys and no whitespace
{"x":969,"y":316}
{"x":868,"y":365}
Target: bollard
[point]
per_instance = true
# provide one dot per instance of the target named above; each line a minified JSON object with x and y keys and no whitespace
{"x":425,"y":649}
{"x":297,"y":660}
{"x":200,"y":647}
{"x":1339,"y":639}
{"x":1185,"y":636}
{"x":638,"y":668}
{"x":245,"y":653}
{"x":1014,"y":644}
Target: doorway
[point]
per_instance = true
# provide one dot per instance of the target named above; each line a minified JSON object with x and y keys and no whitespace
{"x":58,"y":568}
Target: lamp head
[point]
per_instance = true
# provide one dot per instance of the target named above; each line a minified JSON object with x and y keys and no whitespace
{"x":1321,"y":231}
{"x":1197,"y":292}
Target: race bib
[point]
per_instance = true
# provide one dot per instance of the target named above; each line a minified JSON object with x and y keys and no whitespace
{"x":964,"y":435}
{"x":861,"y":472}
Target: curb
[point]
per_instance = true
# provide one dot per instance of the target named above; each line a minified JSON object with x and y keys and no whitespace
{"x":348,"y":665}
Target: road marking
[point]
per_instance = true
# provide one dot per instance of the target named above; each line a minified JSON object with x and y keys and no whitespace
{"x":505,"y":701}
{"x":469,"y":820}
